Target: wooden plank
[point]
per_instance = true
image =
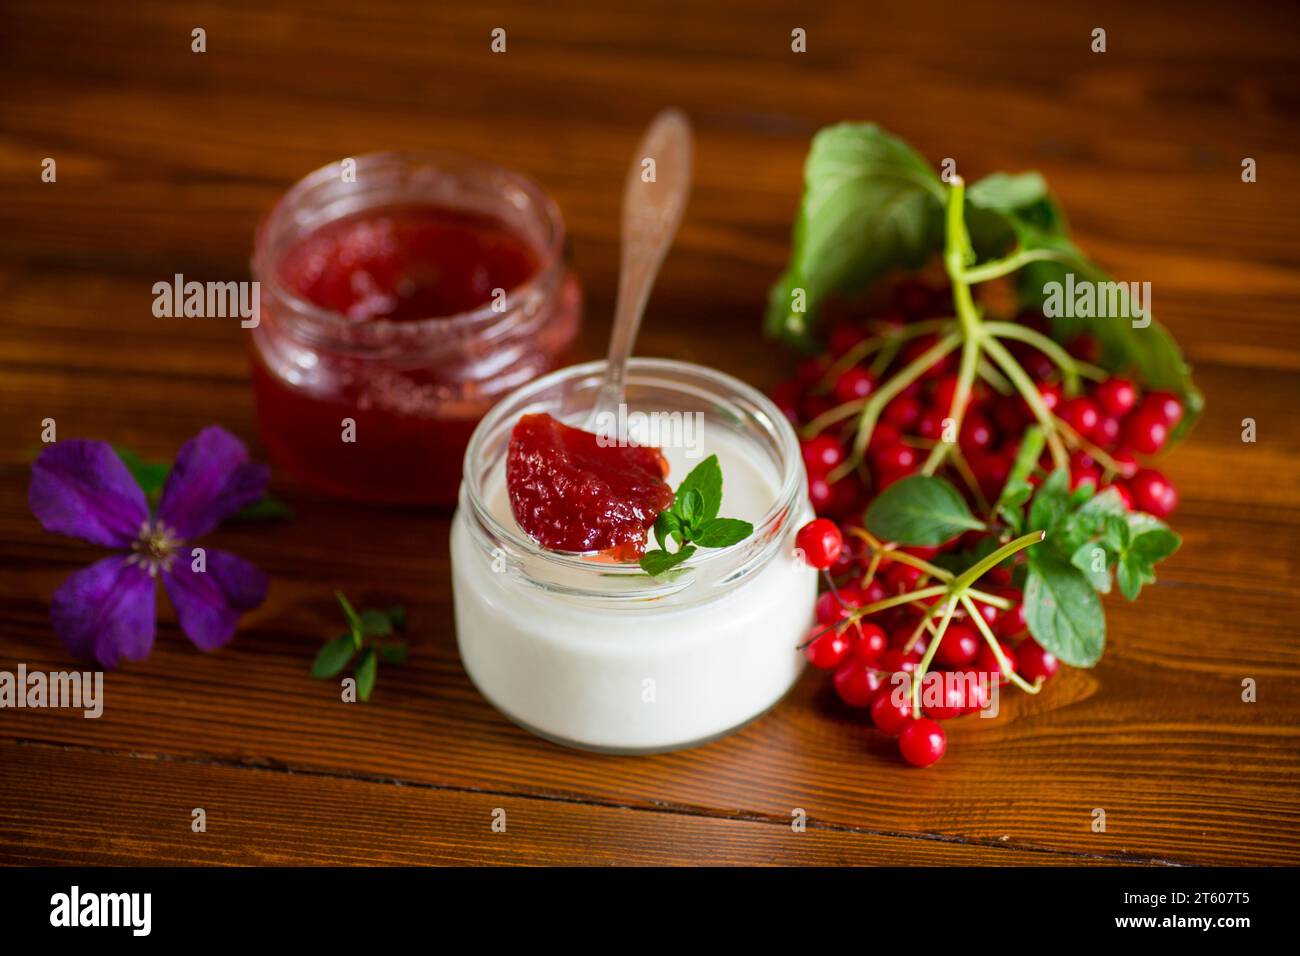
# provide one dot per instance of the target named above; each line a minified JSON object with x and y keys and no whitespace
{"x":70,"y":807}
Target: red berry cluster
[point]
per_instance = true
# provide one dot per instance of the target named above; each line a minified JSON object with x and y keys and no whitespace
{"x":864,"y":651}
{"x":1106,"y":425}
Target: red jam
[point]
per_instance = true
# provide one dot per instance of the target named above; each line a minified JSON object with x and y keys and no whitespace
{"x":407,"y":263}
{"x":570,"y":493}
{"x":407,"y":319}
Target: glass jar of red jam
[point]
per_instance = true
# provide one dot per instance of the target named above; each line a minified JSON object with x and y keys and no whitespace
{"x":401,"y":296}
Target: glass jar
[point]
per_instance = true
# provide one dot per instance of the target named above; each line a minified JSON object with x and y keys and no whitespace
{"x":381,"y":410}
{"x":602,"y":656}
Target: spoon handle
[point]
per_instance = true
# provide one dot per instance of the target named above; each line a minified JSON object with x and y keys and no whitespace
{"x":654,"y":197}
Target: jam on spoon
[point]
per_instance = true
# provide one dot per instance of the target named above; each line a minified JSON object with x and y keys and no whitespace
{"x":572,"y":492}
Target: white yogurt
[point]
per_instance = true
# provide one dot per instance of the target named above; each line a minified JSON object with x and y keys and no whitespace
{"x":659,"y":673}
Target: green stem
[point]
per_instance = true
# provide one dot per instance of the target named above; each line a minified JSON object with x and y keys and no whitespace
{"x":905,"y":377}
{"x":997,"y":268}
{"x":981,"y":567}
{"x":1004,"y":664}
{"x":1029,"y":392}
{"x":919,"y":677}
{"x":1070,"y":367}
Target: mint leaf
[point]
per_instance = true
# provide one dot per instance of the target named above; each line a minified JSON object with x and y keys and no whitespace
{"x":397,"y":617}
{"x":668,"y":526}
{"x":723,"y":533}
{"x":1051,"y":502}
{"x":393,"y":653}
{"x":1149,"y":542}
{"x":706,"y":479}
{"x":366,"y":672}
{"x":920,"y":510}
{"x":658,"y":562}
{"x":375,"y":623}
{"x":333,"y":657}
{"x":1063,"y":611}
{"x":870,"y":204}
{"x":354,"y":621}
{"x":690,"y":507}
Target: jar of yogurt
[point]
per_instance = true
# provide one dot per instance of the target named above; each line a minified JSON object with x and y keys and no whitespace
{"x":599,"y":655}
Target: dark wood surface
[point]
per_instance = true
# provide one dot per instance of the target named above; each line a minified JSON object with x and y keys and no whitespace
{"x":167,"y":159}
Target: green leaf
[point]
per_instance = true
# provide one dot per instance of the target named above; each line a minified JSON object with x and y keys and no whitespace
{"x":1130,"y":575}
{"x":333,"y":657}
{"x":1085,"y":559}
{"x":920,"y":510}
{"x":1088,"y":521}
{"x":1154,"y":546}
{"x":1017,"y":490}
{"x":397,"y":617}
{"x":706,"y":479}
{"x":658,"y":562}
{"x":366,"y":672}
{"x":870,"y":204}
{"x":668,"y":525}
{"x":268,"y":509}
{"x":1051,"y":502}
{"x":354,"y":621}
{"x":723,"y":533}
{"x":149,"y":475}
{"x":1007,"y":192}
{"x":375,"y":623}
{"x":1063,"y":611}
{"x":690,"y":506}
{"x":394,"y":653}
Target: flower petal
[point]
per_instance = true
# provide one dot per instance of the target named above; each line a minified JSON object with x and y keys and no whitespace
{"x":208,"y":603}
{"x":81,"y":488}
{"x":210,"y":481}
{"x":106,"y":611}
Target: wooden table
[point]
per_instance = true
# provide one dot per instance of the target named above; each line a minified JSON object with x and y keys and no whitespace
{"x":167,"y":159}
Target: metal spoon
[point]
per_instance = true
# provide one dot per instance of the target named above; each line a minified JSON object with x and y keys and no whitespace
{"x":652,"y":210}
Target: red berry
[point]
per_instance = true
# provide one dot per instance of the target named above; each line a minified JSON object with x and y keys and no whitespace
{"x":854,"y":383}
{"x":1153,"y":493}
{"x":894,"y":458}
{"x":1081,"y":414}
{"x":950,"y":692}
{"x":1166,"y":405}
{"x":822,"y":454}
{"x":821,"y":494}
{"x":976,"y":433}
{"x":901,"y":577}
{"x":930,"y":425}
{"x":1146,"y":430}
{"x":922,"y":742}
{"x":844,"y":337}
{"x":1085,"y":347}
{"x":1107,"y":432}
{"x":1012,"y":621}
{"x":828,"y":608}
{"x":1128,"y":465}
{"x":1032,"y":662}
{"x":903,"y":411}
{"x":894,"y":661}
{"x":828,"y":650}
{"x":989,"y":612}
{"x":889,"y":716}
{"x":811,"y":370}
{"x":857,"y":683}
{"x":986,"y":661}
{"x":1051,"y":395}
{"x":1118,"y":396}
{"x":1125,"y":495}
{"x":959,"y":646}
{"x":871,"y":643}
{"x":820,"y":541}
{"x":785,"y":395}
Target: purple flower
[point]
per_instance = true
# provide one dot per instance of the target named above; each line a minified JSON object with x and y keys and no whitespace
{"x":82,"y":489}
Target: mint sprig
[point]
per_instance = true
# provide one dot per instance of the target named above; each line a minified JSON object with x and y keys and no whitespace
{"x":691,"y":521}
{"x":362,"y":642}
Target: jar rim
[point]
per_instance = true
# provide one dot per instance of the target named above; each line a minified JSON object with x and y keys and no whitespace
{"x":766,"y":530}
{"x":330,"y":325}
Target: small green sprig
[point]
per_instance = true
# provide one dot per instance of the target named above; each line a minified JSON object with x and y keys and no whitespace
{"x":692,"y":521}
{"x":369,"y":634}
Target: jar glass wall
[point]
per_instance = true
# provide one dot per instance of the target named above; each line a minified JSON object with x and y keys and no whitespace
{"x":602,"y":656}
{"x":412,"y":389}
